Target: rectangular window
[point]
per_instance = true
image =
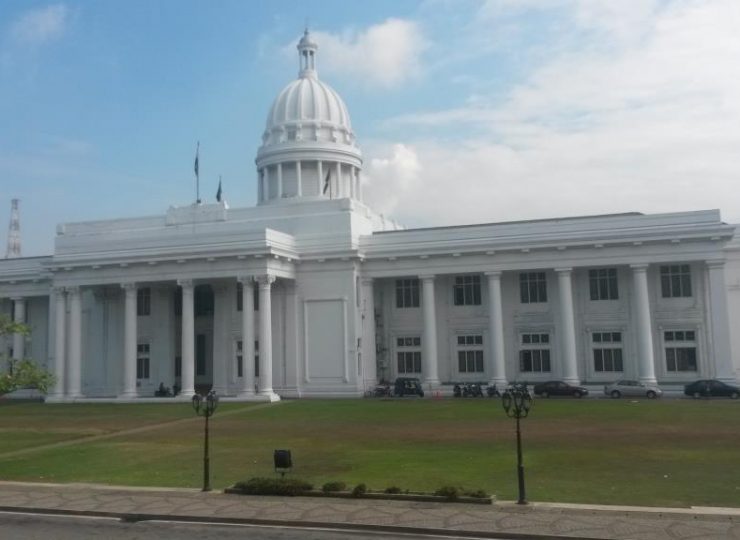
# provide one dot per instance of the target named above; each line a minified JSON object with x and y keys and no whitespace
{"x":239,"y":357}
{"x":675,"y":281}
{"x":408,"y":355}
{"x":470,"y":354}
{"x":144,"y":302}
{"x":680,"y":350}
{"x":534,"y":354}
{"x":142,"y":361}
{"x":467,"y":291}
{"x":607,"y":351}
{"x":407,"y":293}
{"x":603,"y":284}
{"x":532,"y":287}
{"x":178,"y":366}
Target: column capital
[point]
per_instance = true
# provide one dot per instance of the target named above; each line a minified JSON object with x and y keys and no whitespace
{"x":367,"y":281}
{"x":564,"y":270}
{"x":17,"y":298}
{"x":715,"y":263}
{"x":245,"y":280}
{"x":74,"y":289}
{"x":129,"y":286}
{"x":493,"y":274}
{"x":56,"y":289}
{"x":639,"y":267}
{"x":185,"y":283}
{"x":266,"y":280}
{"x":427,"y":277}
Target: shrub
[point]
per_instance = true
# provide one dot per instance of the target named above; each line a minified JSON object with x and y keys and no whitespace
{"x":393,"y":489}
{"x":331,"y":487}
{"x":450,"y":492}
{"x":359,"y":490}
{"x":273,"y":486}
{"x":478,"y":494}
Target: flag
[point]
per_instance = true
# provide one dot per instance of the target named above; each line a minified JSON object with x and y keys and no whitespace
{"x":197,"y":151}
{"x":326,"y":182}
{"x":218,"y":193}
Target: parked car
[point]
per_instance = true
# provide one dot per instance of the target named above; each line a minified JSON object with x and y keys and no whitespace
{"x":407,"y":386}
{"x":711,"y":388}
{"x":559,"y":388}
{"x":632,"y":388}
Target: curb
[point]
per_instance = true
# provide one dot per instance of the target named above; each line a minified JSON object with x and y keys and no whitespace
{"x":136,"y":518}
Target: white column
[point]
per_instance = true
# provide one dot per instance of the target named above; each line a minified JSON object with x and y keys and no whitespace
{"x":60,"y":331}
{"x":247,"y":389}
{"x":265,"y":183}
{"x":429,"y":348}
{"x":299,"y":180}
{"x":719,"y":314}
{"x":496,"y":330}
{"x":265,"y":388}
{"x":19,"y":316}
{"x":567,"y":326}
{"x":338,"y":190}
{"x":320,"y":169}
{"x":279,"y":180}
{"x":358,"y":188}
{"x":221,"y":343}
{"x":645,"y":354}
{"x":74,"y":360}
{"x":187,"y":354}
{"x":129,"y":340}
{"x":368,"y":334}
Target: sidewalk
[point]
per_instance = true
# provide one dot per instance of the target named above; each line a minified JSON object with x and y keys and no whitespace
{"x":502,"y":519}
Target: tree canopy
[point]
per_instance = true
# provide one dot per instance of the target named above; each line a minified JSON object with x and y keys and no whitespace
{"x":24,"y":373}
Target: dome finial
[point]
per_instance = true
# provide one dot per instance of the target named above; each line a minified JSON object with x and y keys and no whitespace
{"x":307,"y":48}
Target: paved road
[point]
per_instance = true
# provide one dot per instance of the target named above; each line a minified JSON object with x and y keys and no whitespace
{"x":39,"y":527}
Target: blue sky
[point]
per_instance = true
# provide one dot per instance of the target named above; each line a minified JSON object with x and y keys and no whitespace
{"x":466,"y":111}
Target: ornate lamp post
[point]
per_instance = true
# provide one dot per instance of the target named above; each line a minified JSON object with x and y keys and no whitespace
{"x":517,"y":401}
{"x":206,"y":406}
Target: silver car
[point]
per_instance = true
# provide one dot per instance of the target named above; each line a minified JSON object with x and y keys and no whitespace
{"x":631,"y":388}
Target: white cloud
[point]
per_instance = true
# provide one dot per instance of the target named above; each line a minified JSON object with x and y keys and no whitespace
{"x":383,"y":55}
{"x":651,"y":125}
{"x":392,"y":179}
{"x":40,"y":25}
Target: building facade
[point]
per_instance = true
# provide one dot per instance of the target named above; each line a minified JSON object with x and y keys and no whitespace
{"x":311,"y":293}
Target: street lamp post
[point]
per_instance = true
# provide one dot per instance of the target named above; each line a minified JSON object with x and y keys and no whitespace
{"x":205,"y":406}
{"x":517,"y":401}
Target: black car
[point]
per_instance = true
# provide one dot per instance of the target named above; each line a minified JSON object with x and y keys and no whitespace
{"x":711,"y":387}
{"x":407,"y":386}
{"x":559,"y":388}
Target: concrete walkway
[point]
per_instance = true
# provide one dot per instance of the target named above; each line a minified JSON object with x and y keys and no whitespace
{"x":502,"y":519}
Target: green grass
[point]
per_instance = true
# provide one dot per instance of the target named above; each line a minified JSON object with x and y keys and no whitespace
{"x":667,"y":453}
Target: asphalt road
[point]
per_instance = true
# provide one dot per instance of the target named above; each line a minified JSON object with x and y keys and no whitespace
{"x":42,"y":527}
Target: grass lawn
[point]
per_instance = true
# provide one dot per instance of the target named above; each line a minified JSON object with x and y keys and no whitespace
{"x":665,"y":453}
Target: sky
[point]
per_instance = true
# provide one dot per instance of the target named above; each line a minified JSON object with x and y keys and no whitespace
{"x":465,"y":110}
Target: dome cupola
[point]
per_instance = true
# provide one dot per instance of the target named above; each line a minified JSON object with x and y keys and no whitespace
{"x":308,"y":147}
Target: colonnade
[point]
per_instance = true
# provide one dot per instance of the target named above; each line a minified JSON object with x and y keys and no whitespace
{"x":68,"y":340}
{"x":496,"y":359}
{"x":336,"y":189}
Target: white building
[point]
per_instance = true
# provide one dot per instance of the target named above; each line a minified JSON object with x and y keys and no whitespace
{"x":311,"y":293}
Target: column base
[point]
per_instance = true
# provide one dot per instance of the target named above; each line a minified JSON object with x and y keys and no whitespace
{"x":246,"y":394}
{"x":648,"y":380}
{"x":186,"y":393}
{"x":572,"y":380}
{"x":268,"y":395}
{"x":128,"y":394}
{"x":55,"y":398}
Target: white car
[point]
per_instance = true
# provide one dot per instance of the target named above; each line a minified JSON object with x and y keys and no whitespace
{"x":631,"y":388}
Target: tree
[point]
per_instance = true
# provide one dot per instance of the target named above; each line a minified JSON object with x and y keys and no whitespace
{"x":24,"y":373}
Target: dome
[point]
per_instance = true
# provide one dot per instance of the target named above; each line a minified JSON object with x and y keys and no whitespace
{"x":308,"y":109}
{"x":311,"y":103}
{"x":308,"y":148}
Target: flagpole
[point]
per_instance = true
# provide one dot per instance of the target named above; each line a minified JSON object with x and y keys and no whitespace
{"x":197,"y":174}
